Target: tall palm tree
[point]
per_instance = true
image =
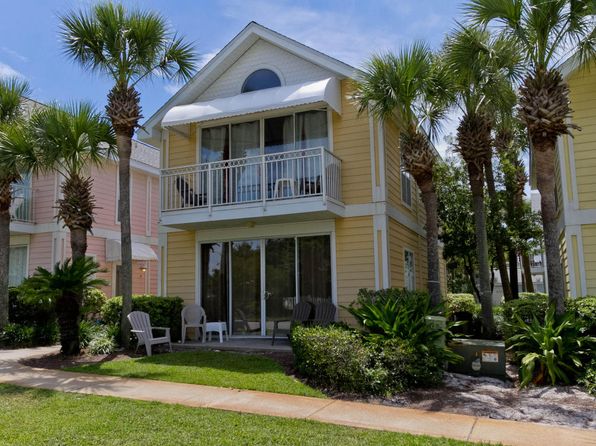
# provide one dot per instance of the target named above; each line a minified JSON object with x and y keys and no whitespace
{"x":11,"y":92}
{"x":411,"y":87}
{"x":73,"y":139}
{"x":481,"y":68}
{"x":128,"y":46}
{"x":545,"y":31}
{"x":66,"y":284}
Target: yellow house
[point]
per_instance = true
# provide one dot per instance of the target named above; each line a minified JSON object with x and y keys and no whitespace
{"x":576,"y":184}
{"x":275,"y":190}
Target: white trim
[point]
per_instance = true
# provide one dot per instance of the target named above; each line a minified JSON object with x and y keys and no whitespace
{"x":380,"y":224}
{"x":381,"y":149}
{"x":148,"y":208}
{"x":571,"y":263}
{"x":406,"y":220}
{"x":296,"y":229}
{"x":376,"y":255}
{"x":263,"y":283}
{"x":333,"y":248}
{"x":385,"y":250}
{"x":575,"y":202}
{"x":373,"y":163}
{"x":574,"y":269}
{"x":329,"y":129}
{"x":97,"y":232}
{"x":582,"y":261}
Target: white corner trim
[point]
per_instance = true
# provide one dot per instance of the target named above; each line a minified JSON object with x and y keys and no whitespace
{"x":575,"y":202}
{"x":381,"y":149}
{"x":373,"y":164}
{"x":405,"y":220}
{"x":381,"y":268}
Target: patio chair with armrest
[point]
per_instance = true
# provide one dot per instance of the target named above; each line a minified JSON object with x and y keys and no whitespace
{"x":300,"y":314}
{"x":193,"y":316}
{"x":141,"y":327}
{"x":324,"y":314}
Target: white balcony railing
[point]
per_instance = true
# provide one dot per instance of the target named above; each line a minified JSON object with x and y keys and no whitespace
{"x":263,"y":178}
{"x":21,"y":204}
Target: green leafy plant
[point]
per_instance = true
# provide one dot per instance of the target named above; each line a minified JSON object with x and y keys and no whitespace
{"x":461,"y":303}
{"x":553,"y":351}
{"x":93,"y":300}
{"x":588,"y":378}
{"x":527,"y":307}
{"x":17,"y":335}
{"x":584,"y":309}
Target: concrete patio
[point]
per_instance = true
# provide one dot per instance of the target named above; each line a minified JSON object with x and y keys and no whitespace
{"x":239,"y":344}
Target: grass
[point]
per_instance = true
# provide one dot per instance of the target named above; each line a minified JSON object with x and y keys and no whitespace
{"x":34,"y":416}
{"x":221,"y":369}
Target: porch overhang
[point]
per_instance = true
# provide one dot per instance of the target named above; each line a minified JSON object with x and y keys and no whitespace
{"x":326,"y":91}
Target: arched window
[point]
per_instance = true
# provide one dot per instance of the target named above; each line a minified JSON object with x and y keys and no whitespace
{"x":259,"y":80}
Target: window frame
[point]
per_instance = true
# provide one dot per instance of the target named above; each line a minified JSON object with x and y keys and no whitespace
{"x":409,"y":201}
{"x":27,"y":252}
{"x":406,"y":278}
{"x":246,"y":79}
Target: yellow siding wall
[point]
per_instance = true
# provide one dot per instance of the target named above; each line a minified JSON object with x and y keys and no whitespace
{"x":583,"y":103}
{"x":564,"y":259}
{"x":589,"y":245}
{"x":181,"y":265}
{"x":401,"y":238}
{"x":355,"y":259}
{"x":182,"y":150}
{"x":351,"y":143}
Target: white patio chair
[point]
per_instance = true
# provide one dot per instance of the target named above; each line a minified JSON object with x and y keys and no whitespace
{"x":193,"y":316}
{"x":141,"y":327}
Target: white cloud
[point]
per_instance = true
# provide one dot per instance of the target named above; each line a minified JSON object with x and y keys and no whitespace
{"x":14,"y":54}
{"x":8,"y":71}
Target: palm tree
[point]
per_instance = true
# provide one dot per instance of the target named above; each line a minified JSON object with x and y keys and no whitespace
{"x":11,"y":92}
{"x":128,"y":46}
{"x":481,"y":68}
{"x":545,"y":31}
{"x":411,"y":87}
{"x":66,"y":284}
{"x":73,"y":139}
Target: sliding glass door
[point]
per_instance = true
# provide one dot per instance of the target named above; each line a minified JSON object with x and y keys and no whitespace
{"x":252,"y":284}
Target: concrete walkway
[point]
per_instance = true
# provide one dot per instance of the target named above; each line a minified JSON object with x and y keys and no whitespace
{"x":370,"y":416}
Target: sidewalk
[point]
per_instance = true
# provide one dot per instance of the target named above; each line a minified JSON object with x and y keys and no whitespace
{"x":370,"y":416}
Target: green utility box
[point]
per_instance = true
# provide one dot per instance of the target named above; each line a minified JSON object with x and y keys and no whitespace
{"x":481,"y":357}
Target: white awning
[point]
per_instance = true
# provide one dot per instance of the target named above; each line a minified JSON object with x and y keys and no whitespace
{"x":140,"y":251}
{"x":326,"y":91}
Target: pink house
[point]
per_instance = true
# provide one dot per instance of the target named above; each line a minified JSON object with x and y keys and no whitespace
{"x":37,"y":239}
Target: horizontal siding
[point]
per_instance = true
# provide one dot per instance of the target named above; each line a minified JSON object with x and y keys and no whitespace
{"x":583,"y":103}
{"x":40,"y":251}
{"x":354,"y":259}
{"x":589,"y":244}
{"x":181,"y":265}
{"x":401,"y":238}
{"x":351,"y":143}
{"x":43,"y":188}
{"x":182,"y":150}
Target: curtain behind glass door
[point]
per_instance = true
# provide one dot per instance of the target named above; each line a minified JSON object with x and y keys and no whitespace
{"x":215,"y":146}
{"x":246,"y":287}
{"x":281,"y":173}
{"x":215,"y":280}
{"x":245,"y":176}
{"x":314,"y":254}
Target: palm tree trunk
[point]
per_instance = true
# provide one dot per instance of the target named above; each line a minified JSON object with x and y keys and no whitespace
{"x":477,"y":187}
{"x":500,"y":252}
{"x":429,"y":198}
{"x":513,"y":274}
{"x":69,"y":315}
{"x":544,"y":158}
{"x":5,"y":199}
{"x":124,"y":142}
{"x":527,"y":272}
{"x":78,"y":242}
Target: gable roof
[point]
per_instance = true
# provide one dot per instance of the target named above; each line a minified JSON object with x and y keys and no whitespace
{"x":227,"y":57}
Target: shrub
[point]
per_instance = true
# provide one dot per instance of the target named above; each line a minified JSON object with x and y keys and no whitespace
{"x":584,"y":309}
{"x":527,"y":307}
{"x":97,"y":338}
{"x":334,"y":358}
{"x":588,"y":379}
{"x":408,"y":366}
{"x":17,"y":335}
{"x":33,"y":318}
{"x":554,"y":350}
{"x":461,"y":303}
{"x":93,"y":301}
{"x":163,"y":311}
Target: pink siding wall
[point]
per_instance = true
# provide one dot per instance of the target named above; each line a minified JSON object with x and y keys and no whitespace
{"x":105,"y":191}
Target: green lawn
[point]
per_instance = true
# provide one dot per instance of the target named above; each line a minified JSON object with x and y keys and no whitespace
{"x":222,"y":369}
{"x":44,"y":417}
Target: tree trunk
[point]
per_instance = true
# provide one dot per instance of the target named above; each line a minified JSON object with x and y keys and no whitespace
{"x":429,"y":198}
{"x":500,"y":252}
{"x":4,"y":256}
{"x":513,"y":274}
{"x":544,"y":159}
{"x":486,"y":298}
{"x":527,"y":272}
{"x":78,"y":242}
{"x":68,"y":310}
{"x":124,"y":142}
{"x":471,"y":276}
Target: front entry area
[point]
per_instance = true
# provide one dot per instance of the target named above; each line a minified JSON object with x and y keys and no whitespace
{"x":251,"y":284}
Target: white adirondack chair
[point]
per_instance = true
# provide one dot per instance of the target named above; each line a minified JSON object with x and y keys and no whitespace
{"x":193,"y":316}
{"x":141,"y":327}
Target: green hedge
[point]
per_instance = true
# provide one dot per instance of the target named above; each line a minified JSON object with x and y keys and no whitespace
{"x":585,"y":310}
{"x":340,"y":359}
{"x":163,"y":311}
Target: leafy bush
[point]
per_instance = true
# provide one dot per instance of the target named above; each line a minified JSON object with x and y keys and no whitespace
{"x":588,"y":378}
{"x":553,"y":351}
{"x":461,"y":303}
{"x":163,"y":311}
{"x":584,"y":309}
{"x":97,"y":338}
{"x":343,"y":360}
{"x":93,"y":301}
{"x":33,"y":319}
{"x":527,"y":307}
{"x":17,"y":335}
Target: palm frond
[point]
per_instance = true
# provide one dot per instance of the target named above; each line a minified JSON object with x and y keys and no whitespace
{"x":12,"y":90}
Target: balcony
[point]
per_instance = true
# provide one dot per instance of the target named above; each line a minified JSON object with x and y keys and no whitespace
{"x":273,"y":186}
{"x":21,"y":204}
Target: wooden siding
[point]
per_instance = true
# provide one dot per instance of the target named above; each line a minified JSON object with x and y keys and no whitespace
{"x":583,"y":103}
{"x":589,"y":244}
{"x":181,"y":265}
{"x":182,"y":150}
{"x":351,"y":143}
{"x":401,"y":238}
{"x":354,"y":240}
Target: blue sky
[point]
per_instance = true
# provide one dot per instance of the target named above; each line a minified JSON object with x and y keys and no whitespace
{"x":346,"y":29}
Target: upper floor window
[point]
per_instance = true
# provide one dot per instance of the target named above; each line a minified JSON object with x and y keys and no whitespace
{"x":260,"y":80}
{"x":406,"y":188}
